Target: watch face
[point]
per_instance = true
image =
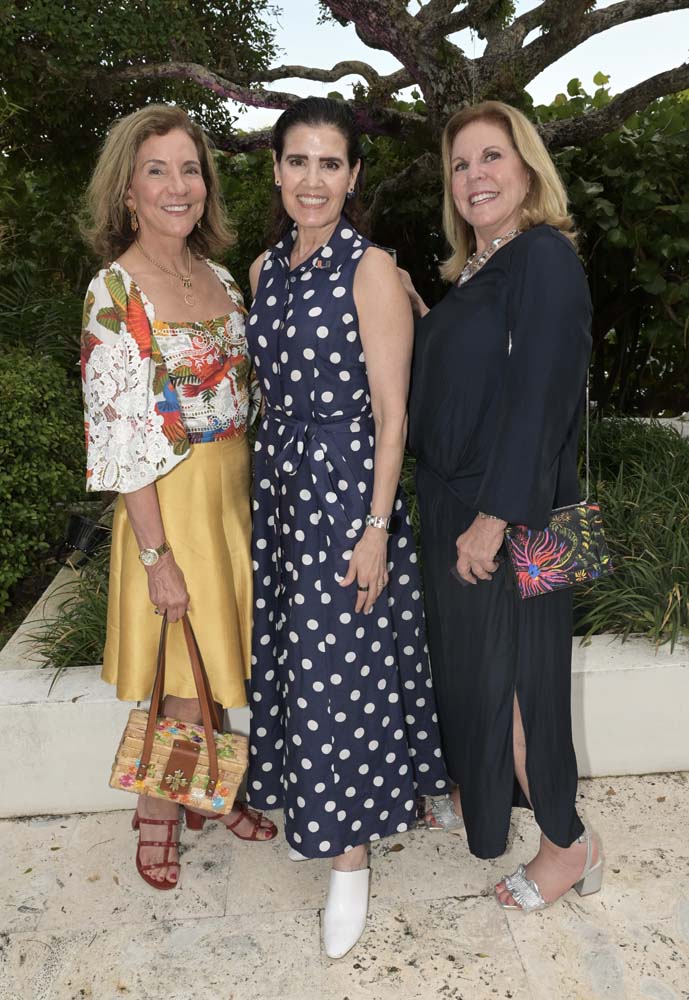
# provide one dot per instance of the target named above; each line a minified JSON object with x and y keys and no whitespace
{"x":149,"y":557}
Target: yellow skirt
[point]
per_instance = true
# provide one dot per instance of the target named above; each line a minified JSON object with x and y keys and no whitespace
{"x":205,"y":507}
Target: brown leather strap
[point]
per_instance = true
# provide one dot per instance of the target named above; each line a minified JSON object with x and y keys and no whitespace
{"x":209,"y":712}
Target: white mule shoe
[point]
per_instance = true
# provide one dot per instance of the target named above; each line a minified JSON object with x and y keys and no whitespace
{"x":345,"y":911}
{"x":294,"y":855}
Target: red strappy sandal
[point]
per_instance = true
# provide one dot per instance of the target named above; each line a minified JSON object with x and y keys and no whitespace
{"x":196,"y":820}
{"x":145,"y":870}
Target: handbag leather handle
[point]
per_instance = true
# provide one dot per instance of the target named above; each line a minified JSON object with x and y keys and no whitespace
{"x":209,"y":712}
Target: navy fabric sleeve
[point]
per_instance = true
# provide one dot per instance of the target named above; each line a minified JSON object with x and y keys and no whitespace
{"x":550,"y":316}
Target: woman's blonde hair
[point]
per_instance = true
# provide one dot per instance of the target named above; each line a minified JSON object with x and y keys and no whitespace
{"x":545,"y":202}
{"x":108,"y":230}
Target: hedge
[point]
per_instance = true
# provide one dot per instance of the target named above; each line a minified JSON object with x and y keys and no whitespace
{"x":41,"y":461}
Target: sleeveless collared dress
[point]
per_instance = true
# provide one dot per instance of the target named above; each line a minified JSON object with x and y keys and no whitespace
{"x":344,"y":729}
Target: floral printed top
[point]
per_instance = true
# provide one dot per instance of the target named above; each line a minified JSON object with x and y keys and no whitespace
{"x":152,"y":388}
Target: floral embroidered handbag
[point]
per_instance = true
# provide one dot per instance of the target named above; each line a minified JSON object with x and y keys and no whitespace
{"x":571,"y":549}
{"x":186,"y":763}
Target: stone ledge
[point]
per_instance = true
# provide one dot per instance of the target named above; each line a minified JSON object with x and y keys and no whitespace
{"x":628,"y":705}
{"x":60,"y":745}
{"x":17,"y":653}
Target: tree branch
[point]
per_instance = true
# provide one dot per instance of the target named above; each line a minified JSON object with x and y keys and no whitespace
{"x":348,"y":68}
{"x":561,"y":38}
{"x":243,"y":142}
{"x":382,"y":24}
{"x":206,"y":78}
{"x":392,"y":82}
{"x":474,"y":15}
{"x":578,"y":131}
{"x":374,"y":121}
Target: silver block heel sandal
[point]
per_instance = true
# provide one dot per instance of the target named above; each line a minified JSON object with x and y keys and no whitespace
{"x":527,"y":895}
{"x":444,"y":817}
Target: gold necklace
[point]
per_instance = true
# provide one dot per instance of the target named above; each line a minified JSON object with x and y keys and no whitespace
{"x":189,"y":297}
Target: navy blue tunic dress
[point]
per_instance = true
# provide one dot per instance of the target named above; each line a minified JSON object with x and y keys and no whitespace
{"x":495,"y":429}
{"x":343,"y":723}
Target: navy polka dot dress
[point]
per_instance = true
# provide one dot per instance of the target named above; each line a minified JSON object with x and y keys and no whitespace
{"x":343,"y":724}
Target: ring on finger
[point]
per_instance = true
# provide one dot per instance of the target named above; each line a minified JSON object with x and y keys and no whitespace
{"x":363,"y":590}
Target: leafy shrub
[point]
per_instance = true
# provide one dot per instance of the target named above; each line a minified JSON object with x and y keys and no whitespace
{"x":41,"y":460}
{"x":76,"y":635}
{"x":39,"y":315}
{"x":640,"y":474}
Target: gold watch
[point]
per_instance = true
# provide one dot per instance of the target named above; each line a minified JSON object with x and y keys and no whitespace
{"x":149,"y":557}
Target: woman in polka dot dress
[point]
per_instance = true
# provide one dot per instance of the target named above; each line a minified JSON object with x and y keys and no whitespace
{"x":344,"y":730}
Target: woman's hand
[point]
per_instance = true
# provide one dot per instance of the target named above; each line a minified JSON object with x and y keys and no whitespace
{"x":477,"y":548}
{"x":368,"y":568}
{"x":418,"y":305}
{"x":167,"y":589}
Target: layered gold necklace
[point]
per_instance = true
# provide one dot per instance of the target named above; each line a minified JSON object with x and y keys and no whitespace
{"x":189,"y":296}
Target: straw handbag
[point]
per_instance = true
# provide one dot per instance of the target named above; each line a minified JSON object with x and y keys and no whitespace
{"x":194,"y":765}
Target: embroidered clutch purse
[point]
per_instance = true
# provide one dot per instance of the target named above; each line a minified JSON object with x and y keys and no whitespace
{"x":196,"y":765}
{"x":572,"y":549}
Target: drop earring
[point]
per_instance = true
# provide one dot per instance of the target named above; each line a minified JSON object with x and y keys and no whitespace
{"x":133,"y":220}
{"x":350,"y":195}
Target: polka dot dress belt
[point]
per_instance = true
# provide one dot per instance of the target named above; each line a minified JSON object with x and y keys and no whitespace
{"x":323,"y":445}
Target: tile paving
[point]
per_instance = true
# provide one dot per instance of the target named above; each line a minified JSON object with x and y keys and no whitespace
{"x":77,"y":923}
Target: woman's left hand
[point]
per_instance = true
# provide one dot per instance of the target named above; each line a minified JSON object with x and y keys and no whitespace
{"x":477,"y":548}
{"x":368,"y":568}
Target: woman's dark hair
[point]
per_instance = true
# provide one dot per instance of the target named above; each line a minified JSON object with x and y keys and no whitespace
{"x":316,"y":111}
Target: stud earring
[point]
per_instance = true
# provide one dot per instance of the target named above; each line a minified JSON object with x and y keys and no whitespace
{"x":133,"y":220}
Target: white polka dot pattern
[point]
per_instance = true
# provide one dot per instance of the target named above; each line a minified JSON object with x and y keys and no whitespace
{"x":342,"y":706}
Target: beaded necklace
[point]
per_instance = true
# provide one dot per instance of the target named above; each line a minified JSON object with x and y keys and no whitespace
{"x":476,"y":261}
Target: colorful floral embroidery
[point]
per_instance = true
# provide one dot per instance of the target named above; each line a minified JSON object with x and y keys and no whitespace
{"x":572,"y":549}
{"x":135,"y":422}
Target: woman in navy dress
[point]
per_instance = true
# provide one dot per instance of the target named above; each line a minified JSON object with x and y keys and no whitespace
{"x":344,"y":731}
{"x":497,"y":395}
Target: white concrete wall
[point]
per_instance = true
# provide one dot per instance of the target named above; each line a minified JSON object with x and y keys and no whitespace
{"x":58,"y":748}
{"x":629,"y":706}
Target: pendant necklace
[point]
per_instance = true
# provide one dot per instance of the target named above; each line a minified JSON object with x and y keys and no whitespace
{"x":189,"y":296}
{"x":476,"y":261}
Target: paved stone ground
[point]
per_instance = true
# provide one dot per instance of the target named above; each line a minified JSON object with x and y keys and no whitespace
{"x":77,"y":922}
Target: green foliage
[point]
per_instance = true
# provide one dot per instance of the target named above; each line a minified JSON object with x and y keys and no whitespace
{"x":630,"y":198}
{"x":59,"y":59}
{"x":75,"y":636}
{"x":247,"y":183}
{"x":41,"y":460}
{"x":641,"y":471}
{"x":39,"y":317}
{"x":641,"y":474}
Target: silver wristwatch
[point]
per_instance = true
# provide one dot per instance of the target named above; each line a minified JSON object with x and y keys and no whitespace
{"x":378,"y":521}
{"x":149,"y":557}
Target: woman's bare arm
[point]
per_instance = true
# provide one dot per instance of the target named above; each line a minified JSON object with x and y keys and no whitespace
{"x":385,"y":327}
{"x":166,"y":586}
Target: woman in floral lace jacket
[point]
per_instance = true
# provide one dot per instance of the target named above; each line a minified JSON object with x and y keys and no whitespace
{"x":168,"y":397}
